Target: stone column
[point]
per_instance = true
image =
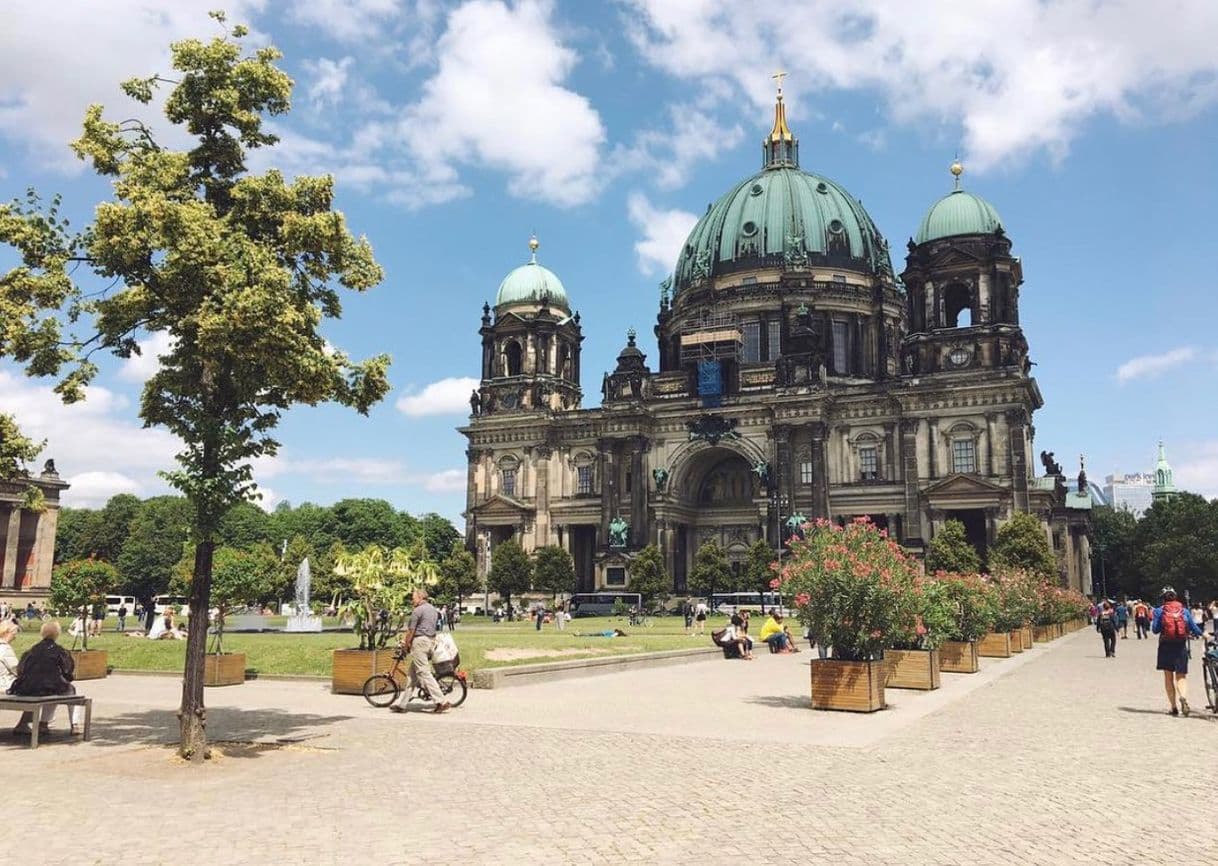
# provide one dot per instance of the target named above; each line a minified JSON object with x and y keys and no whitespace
{"x":638,"y":494}
{"x":909,"y":472}
{"x":608,"y":472}
{"x":990,"y":438}
{"x":890,"y":453}
{"x":932,"y":448}
{"x":782,"y":479}
{"x":541,"y":465}
{"x":820,"y":476}
{"x":1017,"y":420}
{"x":8,"y":577}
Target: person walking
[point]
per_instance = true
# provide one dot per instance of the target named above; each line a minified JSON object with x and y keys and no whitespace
{"x":700,"y":612}
{"x":420,"y":641}
{"x":1173,"y":623}
{"x":560,"y":616}
{"x":122,"y":618}
{"x":1141,"y":619}
{"x":1106,"y":624}
{"x":688,"y":610}
{"x":1214,"y":617}
{"x":1122,"y":617}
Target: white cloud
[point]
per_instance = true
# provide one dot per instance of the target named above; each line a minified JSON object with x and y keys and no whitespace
{"x":448,"y":481}
{"x":98,"y":441}
{"x":669,"y":156}
{"x":446,"y":397}
{"x":138,"y":368}
{"x":348,"y":20}
{"x":664,"y":232}
{"x":1197,"y":472}
{"x":1019,"y":76}
{"x":56,"y":58}
{"x":1149,"y":366}
{"x":329,"y":79}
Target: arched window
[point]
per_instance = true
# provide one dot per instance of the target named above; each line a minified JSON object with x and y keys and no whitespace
{"x":564,"y":358}
{"x":515,"y":358}
{"x":957,"y":306}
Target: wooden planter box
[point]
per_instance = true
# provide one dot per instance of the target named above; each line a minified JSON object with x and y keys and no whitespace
{"x":857,"y":687}
{"x":1016,"y":638}
{"x":995,"y":645}
{"x":911,"y":669}
{"x":227,"y":669}
{"x":1042,"y":633}
{"x":351,"y":667}
{"x":959,"y":657}
{"x":91,"y":664}
{"x":1026,"y":635}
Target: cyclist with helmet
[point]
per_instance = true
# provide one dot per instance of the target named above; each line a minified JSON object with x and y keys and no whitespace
{"x":1174,"y":625}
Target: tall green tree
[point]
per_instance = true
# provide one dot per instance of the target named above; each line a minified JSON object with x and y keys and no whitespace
{"x":244,"y":525}
{"x":360,"y":522}
{"x":553,"y":570}
{"x":16,"y":451}
{"x":439,"y":535}
{"x":104,"y":537}
{"x":1021,"y":543}
{"x":1112,"y":534}
{"x":511,"y":570}
{"x":757,"y":567}
{"x":1176,"y":544}
{"x":458,"y":574}
{"x":950,"y":550}
{"x":711,"y":571}
{"x":649,"y":578}
{"x":237,"y":268}
{"x":153,"y":543}
{"x":72,"y":524}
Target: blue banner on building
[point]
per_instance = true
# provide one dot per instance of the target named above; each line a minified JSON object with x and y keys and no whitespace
{"x":710,"y":383}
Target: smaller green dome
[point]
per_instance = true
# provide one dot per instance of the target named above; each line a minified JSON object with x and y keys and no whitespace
{"x":531,"y":284}
{"x":958,"y":213}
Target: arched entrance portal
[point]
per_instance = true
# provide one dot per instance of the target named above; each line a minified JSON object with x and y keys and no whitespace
{"x":717,"y":496}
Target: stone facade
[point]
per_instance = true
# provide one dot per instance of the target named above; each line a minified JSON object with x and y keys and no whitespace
{"x":835,"y":391}
{"x":27,"y":538}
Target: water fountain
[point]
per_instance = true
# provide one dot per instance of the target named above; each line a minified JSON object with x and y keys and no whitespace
{"x":303,"y":620}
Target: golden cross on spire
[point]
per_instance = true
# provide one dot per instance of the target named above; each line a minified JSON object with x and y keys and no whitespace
{"x":779,"y":76}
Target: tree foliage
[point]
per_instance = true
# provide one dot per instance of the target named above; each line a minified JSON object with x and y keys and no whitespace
{"x":1112,"y":538}
{"x":156,"y":535}
{"x":511,"y":570}
{"x":382,"y":581}
{"x":239,"y":577}
{"x":77,"y":585}
{"x":1176,"y":544}
{"x":458,"y":574}
{"x":16,"y":451}
{"x":711,"y":571}
{"x":950,"y":550}
{"x":1021,"y":543}
{"x":237,"y":268}
{"x":758,"y":570}
{"x":649,"y":578}
{"x":553,"y":570}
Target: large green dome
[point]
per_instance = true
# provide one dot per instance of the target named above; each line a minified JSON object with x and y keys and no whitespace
{"x":778,"y":216}
{"x":531,"y":284}
{"x":958,"y":213}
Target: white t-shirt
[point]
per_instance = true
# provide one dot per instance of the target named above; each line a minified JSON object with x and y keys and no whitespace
{"x":729,"y":634}
{"x":701,"y":609}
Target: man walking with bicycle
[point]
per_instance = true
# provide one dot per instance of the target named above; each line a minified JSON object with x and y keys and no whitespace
{"x":420,"y":641}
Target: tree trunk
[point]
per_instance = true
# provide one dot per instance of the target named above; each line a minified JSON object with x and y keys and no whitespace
{"x":193,"y":716}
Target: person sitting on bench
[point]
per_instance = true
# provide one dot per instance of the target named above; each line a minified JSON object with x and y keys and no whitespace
{"x":776,"y":634}
{"x":733,"y":636}
{"x":46,"y":669}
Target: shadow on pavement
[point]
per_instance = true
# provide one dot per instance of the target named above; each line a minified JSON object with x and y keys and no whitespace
{"x":791,"y":702}
{"x":1203,"y":715}
{"x":160,"y":727}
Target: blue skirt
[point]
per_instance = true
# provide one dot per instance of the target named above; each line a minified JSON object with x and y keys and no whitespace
{"x":1173,"y":656}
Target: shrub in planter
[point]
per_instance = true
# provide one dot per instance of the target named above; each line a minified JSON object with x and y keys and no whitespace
{"x":1016,"y":598}
{"x":852,"y":587}
{"x":76,"y":586}
{"x":970,"y":600}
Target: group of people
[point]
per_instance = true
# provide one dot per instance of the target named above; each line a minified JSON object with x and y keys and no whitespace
{"x":774,"y":632}
{"x":45,"y":669}
{"x":1174,"y":623}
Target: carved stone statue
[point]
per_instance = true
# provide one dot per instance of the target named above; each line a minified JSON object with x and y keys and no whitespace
{"x":661,"y":478}
{"x":1052,"y":467}
{"x":475,"y":403}
{"x":762,"y":470}
{"x":618,"y":531}
{"x":48,"y":468}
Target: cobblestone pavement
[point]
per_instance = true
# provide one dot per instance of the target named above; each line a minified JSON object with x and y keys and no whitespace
{"x":1059,"y":756}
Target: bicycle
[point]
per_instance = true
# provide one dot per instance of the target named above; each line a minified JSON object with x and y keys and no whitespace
{"x":1209,"y":670}
{"x":382,"y":690}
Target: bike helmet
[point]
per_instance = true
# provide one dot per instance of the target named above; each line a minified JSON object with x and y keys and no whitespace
{"x":1168,"y":592}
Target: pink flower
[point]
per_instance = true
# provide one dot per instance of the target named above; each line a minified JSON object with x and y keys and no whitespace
{"x":775,"y":583}
{"x":802,"y":599}
{"x":877,"y":633}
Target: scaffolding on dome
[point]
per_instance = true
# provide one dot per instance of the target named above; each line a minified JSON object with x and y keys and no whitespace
{"x":716,"y":338}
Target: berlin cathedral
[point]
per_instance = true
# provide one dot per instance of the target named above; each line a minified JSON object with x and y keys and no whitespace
{"x":798,"y":377}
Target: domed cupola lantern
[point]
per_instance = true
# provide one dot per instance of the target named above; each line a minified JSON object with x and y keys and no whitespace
{"x":531,"y":348}
{"x":781,"y":147}
{"x":962,"y":288}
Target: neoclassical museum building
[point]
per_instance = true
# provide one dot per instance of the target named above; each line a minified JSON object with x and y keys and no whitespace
{"x":27,"y":537}
{"x":798,"y":376}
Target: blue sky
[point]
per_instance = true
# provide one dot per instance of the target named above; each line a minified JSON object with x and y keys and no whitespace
{"x":456,"y":129}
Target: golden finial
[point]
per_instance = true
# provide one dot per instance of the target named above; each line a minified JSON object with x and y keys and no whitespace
{"x":779,"y":76}
{"x":957,"y":169}
{"x":780,"y":132}
{"x":533,"y":245}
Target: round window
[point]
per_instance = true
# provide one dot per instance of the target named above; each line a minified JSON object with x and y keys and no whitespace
{"x":757,"y":189}
{"x":959,"y":357}
{"x":836,"y":227}
{"x":749,"y":229}
{"x":822,"y":188}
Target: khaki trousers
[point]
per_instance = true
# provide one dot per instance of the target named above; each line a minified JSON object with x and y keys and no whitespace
{"x":420,"y":670}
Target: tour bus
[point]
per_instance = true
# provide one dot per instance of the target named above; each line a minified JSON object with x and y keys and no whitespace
{"x":728,"y":603}
{"x":160,"y":602}
{"x":602,"y":603}
{"x":114,"y":602}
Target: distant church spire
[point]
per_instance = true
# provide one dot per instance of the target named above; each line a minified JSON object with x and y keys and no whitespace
{"x":781,"y":147}
{"x":1164,"y":489}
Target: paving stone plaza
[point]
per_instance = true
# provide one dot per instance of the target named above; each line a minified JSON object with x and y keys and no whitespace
{"x":1057,"y":756}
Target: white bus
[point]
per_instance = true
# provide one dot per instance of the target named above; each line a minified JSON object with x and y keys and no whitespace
{"x":602,"y":603}
{"x":160,"y":602}
{"x":728,"y":603}
{"x":114,"y":602}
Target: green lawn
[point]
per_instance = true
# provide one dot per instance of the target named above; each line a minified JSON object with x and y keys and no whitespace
{"x":476,"y":637}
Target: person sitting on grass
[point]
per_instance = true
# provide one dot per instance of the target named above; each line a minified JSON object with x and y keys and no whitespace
{"x":776,"y":634}
{"x":46,"y":669}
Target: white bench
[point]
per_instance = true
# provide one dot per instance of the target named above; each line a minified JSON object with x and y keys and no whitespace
{"x":35,"y":705}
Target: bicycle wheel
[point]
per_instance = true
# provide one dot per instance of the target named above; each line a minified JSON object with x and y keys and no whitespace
{"x":381,"y":690}
{"x":1211,"y":684}
{"x":454,"y":689}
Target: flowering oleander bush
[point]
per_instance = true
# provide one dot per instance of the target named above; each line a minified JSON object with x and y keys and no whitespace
{"x":1059,"y":605}
{"x":971,"y":599}
{"x":853,"y":588}
{"x":1016,"y":598}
